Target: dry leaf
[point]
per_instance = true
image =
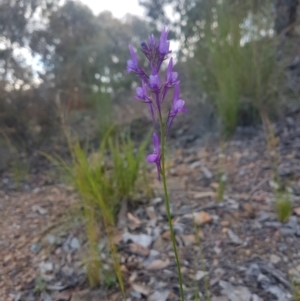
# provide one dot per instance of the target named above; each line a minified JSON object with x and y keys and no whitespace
{"x":139,"y":250}
{"x":158,"y":265}
{"x":202,"y":218}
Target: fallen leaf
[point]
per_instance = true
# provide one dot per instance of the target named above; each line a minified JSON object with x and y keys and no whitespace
{"x":138,"y":249}
{"x":140,"y":288}
{"x":166,"y":235}
{"x":150,"y":212}
{"x":202,"y":218}
{"x":133,"y":219}
{"x":204,"y":194}
{"x":190,"y":239}
{"x":158,"y":264}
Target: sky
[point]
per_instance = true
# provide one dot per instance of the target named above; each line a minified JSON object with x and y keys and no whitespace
{"x":119,"y":8}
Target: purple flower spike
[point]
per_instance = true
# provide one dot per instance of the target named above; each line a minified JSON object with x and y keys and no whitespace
{"x":177,"y":107}
{"x":164,"y":44}
{"x":132,"y":65}
{"x":155,"y":156}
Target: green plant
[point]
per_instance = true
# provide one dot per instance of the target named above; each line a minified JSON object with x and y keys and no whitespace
{"x":296,"y":291}
{"x":237,"y":61}
{"x":221,"y":187}
{"x":103,"y":181}
{"x":20,"y":171}
{"x":283,"y":205}
{"x":39,"y":285}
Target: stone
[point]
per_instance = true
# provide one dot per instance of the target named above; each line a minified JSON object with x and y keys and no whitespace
{"x":159,"y":296}
{"x":275,"y":259}
{"x":74,"y":243}
{"x":234,"y":238}
{"x":141,"y":239}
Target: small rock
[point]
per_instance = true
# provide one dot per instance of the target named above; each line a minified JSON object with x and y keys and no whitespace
{"x":136,"y":295}
{"x":256,"y":298}
{"x":234,"y":238}
{"x":253,"y":270}
{"x":51,"y":239}
{"x":36,"y":248}
{"x":74,"y":244}
{"x":159,"y":296}
{"x":287,"y":231}
{"x":206,"y":172}
{"x":195,"y":164}
{"x":46,"y":267}
{"x":141,"y":239}
{"x":221,"y":298}
{"x":264,"y":281}
{"x":277,"y":291}
{"x":275,"y":259}
{"x":200,"y":275}
{"x":292,"y":223}
{"x":156,"y":201}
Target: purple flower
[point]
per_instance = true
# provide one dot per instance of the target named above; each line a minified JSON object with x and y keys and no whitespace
{"x":154,"y":83}
{"x":177,"y":107}
{"x":171,"y":77}
{"x":164,"y":44}
{"x":155,"y":156}
{"x":132,"y":65}
{"x":141,"y":93}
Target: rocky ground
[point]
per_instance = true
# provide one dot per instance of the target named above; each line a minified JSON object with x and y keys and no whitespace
{"x":235,"y":249}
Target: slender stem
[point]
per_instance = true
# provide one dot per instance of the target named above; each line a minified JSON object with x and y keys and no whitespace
{"x":167,"y":203}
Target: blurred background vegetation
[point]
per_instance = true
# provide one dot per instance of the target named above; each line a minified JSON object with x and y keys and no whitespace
{"x":61,"y":64}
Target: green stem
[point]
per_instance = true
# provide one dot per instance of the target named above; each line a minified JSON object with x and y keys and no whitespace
{"x":167,"y":203}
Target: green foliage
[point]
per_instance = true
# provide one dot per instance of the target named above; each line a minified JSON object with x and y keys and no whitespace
{"x":237,"y":62}
{"x":283,"y":206}
{"x":20,"y":171}
{"x":103,"y":180}
{"x":40,"y":285}
{"x":221,"y":187}
{"x":296,"y":291}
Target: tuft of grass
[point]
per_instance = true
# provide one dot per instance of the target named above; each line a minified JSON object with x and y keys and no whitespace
{"x":296,"y":291}
{"x":20,"y":171}
{"x":221,"y":187}
{"x":103,"y":181}
{"x":283,"y":205}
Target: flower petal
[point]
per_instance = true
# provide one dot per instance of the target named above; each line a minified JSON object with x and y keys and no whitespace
{"x":152,"y":158}
{"x":133,"y":55}
{"x":179,"y":104}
